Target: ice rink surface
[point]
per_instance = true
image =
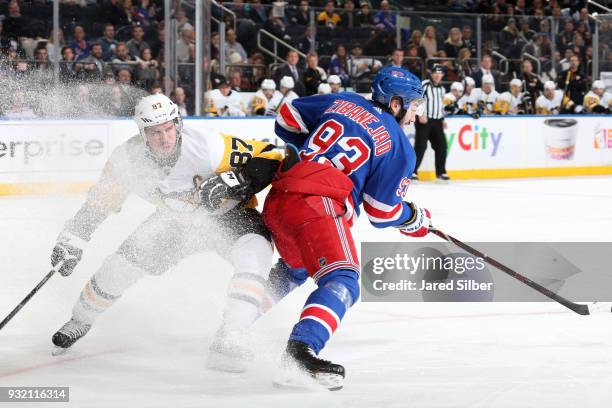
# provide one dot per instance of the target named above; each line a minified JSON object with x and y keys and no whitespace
{"x":149,"y":349}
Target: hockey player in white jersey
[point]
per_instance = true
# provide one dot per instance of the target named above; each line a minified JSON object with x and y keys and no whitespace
{"x":511,"y":102}
{"x":223,"y":101}
{"x":159,"y":165}
{"x":285,"y":94}
{"x":597,"y":100}
{"x":463,"y":102}
{"x":549,"y":103}
{"x":262,"y":97}
{"x":450,"y":99}
{"x":483,"y":99}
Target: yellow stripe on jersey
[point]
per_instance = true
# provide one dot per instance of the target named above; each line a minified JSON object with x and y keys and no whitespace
{"x":239,"y":151}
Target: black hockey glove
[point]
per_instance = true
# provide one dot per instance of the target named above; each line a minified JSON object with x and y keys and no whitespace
{"x":67,"y":253}
{"x":221,"y":193}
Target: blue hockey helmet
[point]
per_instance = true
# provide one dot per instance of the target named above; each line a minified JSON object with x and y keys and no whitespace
{"x":396,"y":81}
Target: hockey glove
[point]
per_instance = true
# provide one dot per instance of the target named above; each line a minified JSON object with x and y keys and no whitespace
{"x":221,"y":193}
{"x":418,"y":225}
{"x":67,"y":252}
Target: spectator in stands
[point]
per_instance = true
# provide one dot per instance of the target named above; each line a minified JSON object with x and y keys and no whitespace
{"x":91,"y":68}
{"x":582,"y":17}
{"x":223,"y":101}
{"x":179,"y":98}
{"x":468,"y":41}
{"x":574,"y":83}
{"x":308,"y":42}
{"x":41,"y":58}
{"x":50,"y":46}
{"x":147,"y":72}
{"x":314,"y":74}
{"x":348,"y":16}
{"x":144,"y":13}
{"x":361,"y":66}
{"x":578,"y":45}
{"x":67,"y":71}
{"x":451,"y":72}
{"x":453,"y":43}
{"x":158,"y":43}
{"x":531,"y":82}
{"x":564,"y":38}
{"x":277,"y":26}
{"x":182,"y":44}
{"x":509,"y":40}
{"x":14,"y":25}
{"x":565,"y":62}
{"x":429,"y":42}
{"x":534,"y":46}
{"x":259,"y":71}
{"x":339,"y":64}
{"x":291,"y":68}
{"x":521,"y":9}
{"x":215,"y":45}
{"x":238,"y":82}
{"x":107,"y":41}
{"x":137,"y":44}
{"x":258,"y":14}
{"x":79,"y":45}
{"x":122,"y":59}
{"x":526,"y":33}
{"x":414,"y":62}
{"x":262,"y":97}
{"x":463,"y":63}
{"x":127,"y":7}
{"x":415,"y":38}
{"x":233,"y":46}
{"x":328,"y":17}
{"x":486,"y":67}
{"x":364,"y":15}
{"x":302,"y":14}
{"x":285,"y":94}
{"x":124,"y":77}
{"x":381,"y":43}
{"x":397,"y":58}
{"x":385,"y":17}
{"x":581,"y":28}
{"x":335,"y":84}
{"x":598,"y":100}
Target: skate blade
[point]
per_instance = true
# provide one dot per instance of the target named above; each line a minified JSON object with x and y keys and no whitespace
{"x":58,"y":351}
{"x":298,"y":380}
{"x":222,"y":362}
{"x":438,"y":181}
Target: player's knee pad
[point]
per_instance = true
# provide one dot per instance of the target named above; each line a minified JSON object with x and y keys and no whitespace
{"x":116,"y":275}
{"x":343,"y":283}
{"x":252,"y":253}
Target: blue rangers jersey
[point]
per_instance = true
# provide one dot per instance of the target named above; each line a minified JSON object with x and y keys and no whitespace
{"x":361,"y":140}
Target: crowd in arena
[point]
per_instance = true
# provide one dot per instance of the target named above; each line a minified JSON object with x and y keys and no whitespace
{"x":112,"y":52}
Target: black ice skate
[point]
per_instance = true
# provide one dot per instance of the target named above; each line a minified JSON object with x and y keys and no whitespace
{"x":70,"y":332}
{"x":325,"y":373}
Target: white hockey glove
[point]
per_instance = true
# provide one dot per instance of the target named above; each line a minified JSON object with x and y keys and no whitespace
{"x":221,"y":193}
{"x":418,"y":225}
{"x":67,"y":252}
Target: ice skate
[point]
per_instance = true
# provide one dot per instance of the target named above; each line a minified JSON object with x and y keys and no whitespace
{"x":228,"y":353}
{"x":65,"y":337}
{"x":301,"y":368}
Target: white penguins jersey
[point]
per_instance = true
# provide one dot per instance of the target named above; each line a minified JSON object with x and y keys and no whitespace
{"x":220,"y":105}
{"x":508,"y":103}
{"x":545,"y":106}
{"x":464,"y":103}
{"x":591,"y":100}
{"x":488,"y":99}
{"x":277,"y":99}
{"x":131,"y":169}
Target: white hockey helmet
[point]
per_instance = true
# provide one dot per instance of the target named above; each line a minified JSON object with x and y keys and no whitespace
{"x":334,"y":79}
{"x":324,"y":88}
{"x":516,"y":82}
{"x":268,"y":84}
{"x":599,"y":84}
{"x":154,"y":110}
{"x":488,"y":79}
{"x":550,"y":85}
{"x":287,"y":82}
{"x":457,"y":86}
{"x":469,"y":81}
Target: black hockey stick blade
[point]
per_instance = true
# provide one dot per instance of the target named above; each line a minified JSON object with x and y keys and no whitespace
{"x":27,"y":299}
{"x":575,"y":307}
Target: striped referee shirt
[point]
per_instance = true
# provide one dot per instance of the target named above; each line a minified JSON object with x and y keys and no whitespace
{"x":434,"y":97}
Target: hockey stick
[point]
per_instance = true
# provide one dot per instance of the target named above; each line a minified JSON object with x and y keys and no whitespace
{"x":578,"y":308}
{"x":27,"y":298}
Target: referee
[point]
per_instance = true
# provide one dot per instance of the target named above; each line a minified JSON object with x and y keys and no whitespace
{"x":430,"y":126}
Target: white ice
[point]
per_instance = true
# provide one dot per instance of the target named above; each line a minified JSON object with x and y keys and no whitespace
{"x":149,"y":349}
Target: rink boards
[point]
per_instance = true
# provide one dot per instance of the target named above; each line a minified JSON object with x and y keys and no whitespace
{"x":38,"y":157}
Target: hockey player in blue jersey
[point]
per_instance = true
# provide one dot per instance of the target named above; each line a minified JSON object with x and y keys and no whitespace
{"x":348,"y":151}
